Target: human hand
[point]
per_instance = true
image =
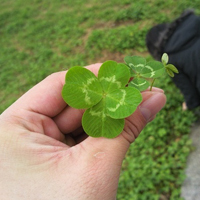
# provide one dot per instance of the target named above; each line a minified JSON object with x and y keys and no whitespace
{"x":184,"y":106}
{"x":44,"y":153}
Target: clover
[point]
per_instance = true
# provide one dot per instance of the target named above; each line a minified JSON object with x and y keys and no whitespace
{"x":106,"y":98}
{"x":143,"y":72}
{"x":171,"y":69}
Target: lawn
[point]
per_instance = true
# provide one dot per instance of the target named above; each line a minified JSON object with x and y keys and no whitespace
{"x":38,"y":38}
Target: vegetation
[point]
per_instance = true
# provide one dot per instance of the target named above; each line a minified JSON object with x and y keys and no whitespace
{"x":42,"y":37}
{"x":106,"y":97}
{"x":114,"y":94}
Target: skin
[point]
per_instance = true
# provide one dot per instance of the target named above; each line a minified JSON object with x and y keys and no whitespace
{"x":44,"y":153}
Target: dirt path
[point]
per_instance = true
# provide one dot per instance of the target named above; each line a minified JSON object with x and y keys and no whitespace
{"x":191,"y":187}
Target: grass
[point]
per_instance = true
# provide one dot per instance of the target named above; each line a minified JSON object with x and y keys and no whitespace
{"x":42,"y":37}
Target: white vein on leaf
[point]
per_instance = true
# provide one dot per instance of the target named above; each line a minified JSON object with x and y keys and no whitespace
{"x":143,"y":67}
{"x":151,"y":69}
{"x":141,"y":84}
{"x":121,"y":102}
{"x":98,"y":114}
{"x":111,"y":79}
{"x":85,"y":90}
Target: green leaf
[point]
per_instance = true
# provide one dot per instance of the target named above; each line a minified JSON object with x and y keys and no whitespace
{"x":82,"y":88}
{"x":136,"y":63}
{"x":122,"y":103}
{"x":132,"y":72}
{"x":113,"y":75}
{"x":153,"y":69}
{"x":96,"y":123}
{"x":139,"y":83}
{"x":170,"y":73}
{"x":165,"y":59}
{"x":172,"y":68}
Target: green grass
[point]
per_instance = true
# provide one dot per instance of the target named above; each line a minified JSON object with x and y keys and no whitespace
{"x":38,"y":38}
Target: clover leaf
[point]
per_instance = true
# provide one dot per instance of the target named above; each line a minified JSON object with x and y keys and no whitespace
{"x":107,"y":99}
{"x":141,"y":71}
{"x":82,"y":89}
{"x":171,"y":69}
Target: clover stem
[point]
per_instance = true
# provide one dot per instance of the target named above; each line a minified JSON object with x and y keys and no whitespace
{"x":152,"y":84}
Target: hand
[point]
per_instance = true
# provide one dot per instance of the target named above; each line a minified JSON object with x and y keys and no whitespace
{"x":184,"y":106}
{"x":44,"y":153}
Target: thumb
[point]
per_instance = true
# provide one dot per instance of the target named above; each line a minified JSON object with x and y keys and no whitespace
{"x":153,"y":102}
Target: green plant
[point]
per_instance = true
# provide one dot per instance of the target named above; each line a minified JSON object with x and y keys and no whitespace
{"x":143,"y":72}
{"x":29,"y":30}
{"x":106,"y":97}
{"x":171,"y":69}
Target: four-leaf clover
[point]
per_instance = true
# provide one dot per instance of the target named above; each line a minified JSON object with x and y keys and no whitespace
{"x":106,"y":98}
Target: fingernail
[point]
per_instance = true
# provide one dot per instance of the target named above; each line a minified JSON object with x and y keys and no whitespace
{"x":155,"y":89}
{"x":152,"y":105}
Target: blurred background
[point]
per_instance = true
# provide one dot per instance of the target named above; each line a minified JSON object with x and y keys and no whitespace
{"x":39,"y":37}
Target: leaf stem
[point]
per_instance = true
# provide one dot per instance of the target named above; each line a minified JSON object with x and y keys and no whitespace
{"x":152,"y":84}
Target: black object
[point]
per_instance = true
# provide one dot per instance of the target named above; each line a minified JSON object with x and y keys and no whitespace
{"x":181,"y":41}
